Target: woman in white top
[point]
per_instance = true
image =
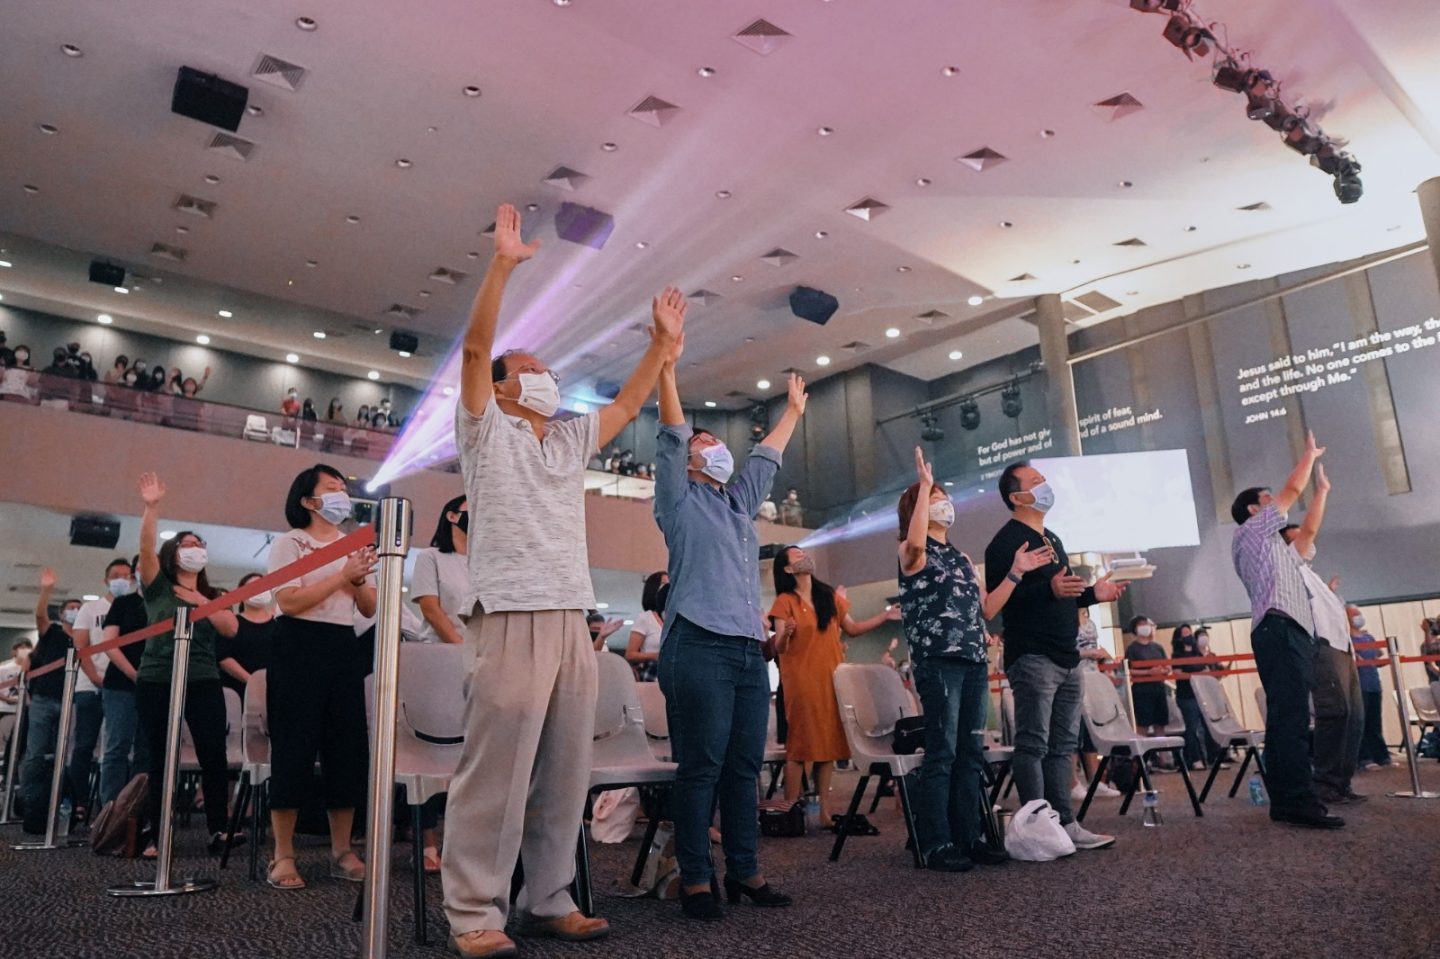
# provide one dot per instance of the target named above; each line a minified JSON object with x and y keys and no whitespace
{"x":644,"y":649}
{"x":316,"y":689}
{"x":441,"y":578}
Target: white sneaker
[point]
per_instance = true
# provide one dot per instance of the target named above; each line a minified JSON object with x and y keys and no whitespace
{"x":1085,"y":839}
{"x":1105,"y":789}
{"x":1077,"y":794}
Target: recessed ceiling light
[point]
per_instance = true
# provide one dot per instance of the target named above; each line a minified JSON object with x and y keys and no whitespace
{"x":532,"y":207}
{"x":723,"y":194}
{"x":641,"y":244}
{"x":122,"y":289}
{"x":893,"y":332}
{"x":471,"y":91}
{"x":749,"y":339}
{"x":49,"y":129}
{"x":821,"y":234}
{"x":404,"y":353}
{"x":373,"y":375}
{"x":254,"y":110}
{"x":89,"y":598}
{"x":609,"y":147}
{"x":1046,"y":133}
{"x":292,"y":358}
{"x":597,"y":605}
{"x":1006,"y":224}
{"x":432,"y":129}
{"x":105,"y":319}
{"x":1242,"y":266}
{"x":825,"y":131}
{"x":902,"y":269}
{"x":956,"y":354}
{"x":976,"y":300}
{"x":211,"y":179}
{"x":707,"y":72}
{"x":203,"y":340}
{"x":822,"y":360}
{"x":226,"y":314}
{"x":70,"y":50}
{"x":319,"y":334}
{"x":352,"y":218}
{"x":182,"y":230}
{"x":737,"y":277}
{"x":312,"y":263}
{"x":1125,"y":184}
{"x":378,"y":332}
{"x":950,"y":71}
{"x":711,"y":404}
{"x":403,"y":163}
{"x":424,"y":293}
{"x":168,"y":534}
{"x":1191,"y":229}
{"x":473,"y":254}
{"x":31,"y":188}
{"x":762,"y":384}
{"x":5,"y":264}
{"x":307,"y":24}
{"x":922,"y":181}
{"x":448,"y":391}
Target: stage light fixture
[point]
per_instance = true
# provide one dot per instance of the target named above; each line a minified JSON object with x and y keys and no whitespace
{"x":970,"y":415}
{"x":1230,"y":75}
{"x":1010,"y":402}
{"x":930,"y":430}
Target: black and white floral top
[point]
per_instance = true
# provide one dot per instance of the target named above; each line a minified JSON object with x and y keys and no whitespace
{"x":940,"y":606}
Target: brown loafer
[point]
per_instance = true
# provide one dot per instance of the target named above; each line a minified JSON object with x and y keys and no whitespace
{"x":483,"y":944}
{"x":576,"y":927}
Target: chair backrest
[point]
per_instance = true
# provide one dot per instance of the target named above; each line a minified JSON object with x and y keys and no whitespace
{"x":871,"y":697}
{"x":1007,"y":715}
{"x":652,"y":708}
{"x":431,"y":692}
{"x":255,"y":721}
{"x":234,"y":723}
{"x":1103,"y":712}
{"x":1215,"y":709}
{"x":255,"y":423}
{"x":1423,"y":699}
{"x":619,"y":719}
{"x":1175,"y":719}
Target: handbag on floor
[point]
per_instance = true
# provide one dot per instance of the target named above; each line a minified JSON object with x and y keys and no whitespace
{"x":782,"y":819}
{"x":116,"y":831}
{"x":1035,"y":834}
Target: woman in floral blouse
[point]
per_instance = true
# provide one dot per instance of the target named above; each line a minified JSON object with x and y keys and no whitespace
{"x":944,"y":607}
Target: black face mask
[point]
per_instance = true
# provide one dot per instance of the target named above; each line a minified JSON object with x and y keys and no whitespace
{"x":464,"y":523}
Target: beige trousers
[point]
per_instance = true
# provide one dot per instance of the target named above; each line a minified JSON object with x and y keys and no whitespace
{"x":525,"y":767}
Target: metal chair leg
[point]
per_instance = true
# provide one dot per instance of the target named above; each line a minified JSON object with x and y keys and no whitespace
{"x":1141,"y":775}
{"x":843,"y":829}
{"x":1189,"y":786}
{"x":909,"y":820}
{"x":586,"y":900}
{"x":1240,"y":773}
{"x":242,"y":795}
{"x":1214,"y":771}
{"x":1094,"y":784}
{"x":417,"y":843}
{"x":651,"y":829}
{"x":258,"y":807}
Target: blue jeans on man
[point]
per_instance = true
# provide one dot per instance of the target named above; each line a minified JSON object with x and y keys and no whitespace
{"x":954,"y":697}
{"x":43,"y":716}
{"x":717,"y":697}
{"x":89,"y":714}
{"x":1047,"y":730}
{"x":121,"y":737}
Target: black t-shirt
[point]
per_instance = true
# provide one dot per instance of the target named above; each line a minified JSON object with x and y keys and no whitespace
{"x":1036,"y":620}
{"x":128,"y":614}
{"x":52,"y":646}
{"x":1183,"y":647}
{"x":250,"y":647}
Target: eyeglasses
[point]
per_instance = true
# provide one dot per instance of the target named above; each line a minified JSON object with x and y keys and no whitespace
{"x":191,"y":541}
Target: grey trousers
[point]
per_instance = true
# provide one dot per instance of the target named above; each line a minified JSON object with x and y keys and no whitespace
{"x":525,"y":767}
{"x":1047,"y":730}
{"x":1339,"y":717}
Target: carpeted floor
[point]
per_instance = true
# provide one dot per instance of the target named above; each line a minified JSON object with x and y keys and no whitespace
{"x":1231,"y":884}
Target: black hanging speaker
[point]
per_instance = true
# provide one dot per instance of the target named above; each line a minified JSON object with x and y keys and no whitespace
{"x":404,"y":342}
{"x":209,"y":99}
{"x":817,"y":306}
{"x":94,"y":531}
{"x":107,"y":273}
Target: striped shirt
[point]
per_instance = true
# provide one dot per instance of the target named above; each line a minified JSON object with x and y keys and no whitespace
{"x":1270,"y":570}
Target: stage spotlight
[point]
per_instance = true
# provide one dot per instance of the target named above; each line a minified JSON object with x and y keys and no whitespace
{"x":1301,"y":137}
{"x":1010,"y":403}
{"x":969,"y":415}
{"x":1336,"y":162}
{"x":1183,"y":32}
{"x":1231,"y":76}
{"x":1348,"y":189}
{"x":931,"y":431}
{"x":1278,"y":117}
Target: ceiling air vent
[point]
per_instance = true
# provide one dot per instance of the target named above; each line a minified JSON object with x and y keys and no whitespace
{"x":565,"y":179}
{"x":229,"y":145}
{"x":867,"y":209}
{"x":1023,"y":278}
{"x":1096,"y":301}
{"x":194,"y":206}
{"x":1134,"y":241}
{"x":1255,"y":207}
{"x":401,"y":311}
{"x":779,"y":257}
{"x":930,"y":316}
{"x":856,"y":346}
{"x":1074,"y":312}
{"x":736,"y":394}
{"x":278,"y":73}
{"x":489,"y":230}
{"x":982,"y":159}
{"x":445,"y":275}
{"x":705,"y":297}
{"x":763,"y":37}
{"x":1120,"y":105}
{"x":167,"y":252}
{"x":654,"y":111}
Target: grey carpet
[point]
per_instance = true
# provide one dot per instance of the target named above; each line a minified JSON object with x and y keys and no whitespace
{"x":1231,"y":884}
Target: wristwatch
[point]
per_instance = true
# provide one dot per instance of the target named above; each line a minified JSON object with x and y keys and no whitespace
{"x":1013,"y":578}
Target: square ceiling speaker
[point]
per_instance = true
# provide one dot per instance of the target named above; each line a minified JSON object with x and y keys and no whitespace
{"x":817,"y":306}
{"x":106,"y":273}
{"x":209,"y":99}
{"x":584,"y":225}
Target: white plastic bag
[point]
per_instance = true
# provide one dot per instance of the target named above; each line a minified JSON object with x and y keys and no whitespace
{"x":614,"y":814}
{"x":1035,"y":834}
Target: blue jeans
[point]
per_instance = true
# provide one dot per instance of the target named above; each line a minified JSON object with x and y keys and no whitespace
{"x":121,"y":736}
{"x":1199,"y":747}
{"x":717,"y":698}
{"x":1047,"y":730}
{"x":43,"y":717}
{"x":954,"y":698}
{"x":1285,"y":659}
{"x":89,"y":713}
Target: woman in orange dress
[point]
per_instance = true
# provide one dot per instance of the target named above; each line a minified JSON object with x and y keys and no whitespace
{"x":808,"y":617}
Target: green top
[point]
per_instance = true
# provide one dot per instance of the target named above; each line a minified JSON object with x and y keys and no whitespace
{"x":155,"y":664}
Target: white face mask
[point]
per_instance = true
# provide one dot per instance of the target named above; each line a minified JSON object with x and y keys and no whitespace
{"x":261,"y":600}
{"x":1358,"y":621}
{"x":943,"y":513}
{"x":68,"y":615}
{"x":1044,"y":497}
{"x":719,"y":463}
{"x":192,"y":559}
{"x":539,"y":392}
{"x":1145,"y":631}
{"x":335,"y":508}
{"x":120,"y":587}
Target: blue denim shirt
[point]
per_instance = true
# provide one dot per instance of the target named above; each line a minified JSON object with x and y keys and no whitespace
{"x":1369,"y":675}
{"x":714,"y":549}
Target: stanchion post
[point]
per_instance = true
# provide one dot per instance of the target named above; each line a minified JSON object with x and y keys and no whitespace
{"x":57,"y":772}
{"x":165,"y":847}
{"x":12,"y":772}
{"x":392,"y":545}
{"x":1392,"y":646}
{"x":1129,"y":694}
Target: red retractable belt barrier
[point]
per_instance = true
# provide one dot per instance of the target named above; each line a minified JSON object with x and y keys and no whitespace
{"x":342,"y":547}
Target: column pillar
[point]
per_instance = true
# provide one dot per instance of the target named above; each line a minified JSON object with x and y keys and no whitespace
{"x":1060,"y":384}
{"x":1429,"y":194}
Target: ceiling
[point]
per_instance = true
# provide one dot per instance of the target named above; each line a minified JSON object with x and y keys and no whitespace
{"x":385,"y":82}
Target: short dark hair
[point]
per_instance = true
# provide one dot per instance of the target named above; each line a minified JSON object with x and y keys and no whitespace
{"x":1289,"y":528}
{"x":22,"y":641}
{"x":304,"y":485}
{"x":118,"y":561}
{"x":651,"y":599}
{"x":906,"y":507}
{"x":1009,"y":484}
{"x":1137,"y":621}
{"x":1240,"y":509}
{"x":444,"y":538}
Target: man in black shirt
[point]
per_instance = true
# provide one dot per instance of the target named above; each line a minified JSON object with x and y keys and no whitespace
{"x":127,"y":614}
{"x":1042,"y":660}
{"x":43,"y":711}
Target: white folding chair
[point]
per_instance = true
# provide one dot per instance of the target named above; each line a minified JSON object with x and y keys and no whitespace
{"x":657,"y":722}
{"x":256,"y":428}
{"x":254,"y":756}
{"x":1427,"y":708}
{"x":622,"y":758}
{"x":1114,"y":738}
{"x":871,"y":698}
{"x":1226,"y":729}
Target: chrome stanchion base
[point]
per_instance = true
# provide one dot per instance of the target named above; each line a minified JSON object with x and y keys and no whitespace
{"x":1411,"y":794}
{"x":58,"y":844}
{"x":178,"y":887}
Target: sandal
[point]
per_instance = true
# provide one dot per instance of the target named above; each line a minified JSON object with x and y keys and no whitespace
{"x":432,"y":860}
{"x":338,"y":870}
{"x":291,"y":881}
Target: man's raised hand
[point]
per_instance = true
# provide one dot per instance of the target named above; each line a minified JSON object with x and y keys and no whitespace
{"x":508,"y":244}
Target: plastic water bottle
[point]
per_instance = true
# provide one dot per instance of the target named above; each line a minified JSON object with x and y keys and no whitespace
{"x":1257,"y":791}
{"x":62,"y":828}
{"x":1151,"y":815}
{"x":812,"y":813}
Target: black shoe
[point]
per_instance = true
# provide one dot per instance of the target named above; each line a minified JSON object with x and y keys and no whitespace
{"x":1351,"y":796}
{"x":217,"y":842}
{"x":760,"y":896}
{"x":948,"y":858}
{"x":1310,"y":817}
{"x":701,"y":905}
{"x":1331,"y":796}
{"x":986,"y":855}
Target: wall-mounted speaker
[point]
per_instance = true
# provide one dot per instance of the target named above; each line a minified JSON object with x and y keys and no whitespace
{"x":94,"y":531}
{"x":209,"y":99}
{"x":817,"y":306}
{"x":404,"y":342}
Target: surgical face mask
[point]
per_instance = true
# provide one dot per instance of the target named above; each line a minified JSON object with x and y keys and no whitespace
{"x":69,"y":615}
{"x":22,"y":356}
{"x":464,"y":522}
{"x":120,"y":587}
{"x":802,"y":566}
{"x":1044,"y":497}
{"x":335,"y":508}
{"x":539,"y":392}
{"x":261,"y":600}
{"x":1358,"y":621}
{"x":942,"y":513}
{"x":718,"y":462}
{"x":192,"y":559}
{"x":1145,"y":631}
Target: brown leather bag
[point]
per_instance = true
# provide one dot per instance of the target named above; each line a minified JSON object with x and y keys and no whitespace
{"x":116,"y":831}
